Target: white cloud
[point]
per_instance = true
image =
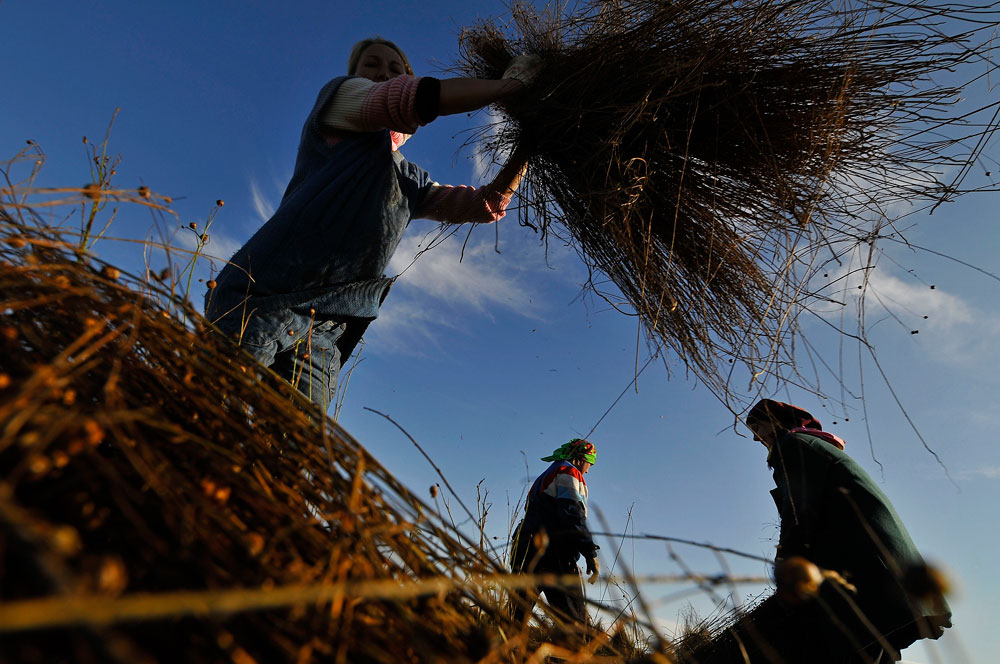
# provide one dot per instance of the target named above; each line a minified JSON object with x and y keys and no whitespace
{"x":440,"y":288}
{"x":986,"y":472}
{"x":953,"y":332}
{"x":407,"y":327}
{"x":478,"y":278}
{"x":221,"y":246}
{"x":483,"y":167}
{"x":948,"y":328}
{"x":262,"y":204}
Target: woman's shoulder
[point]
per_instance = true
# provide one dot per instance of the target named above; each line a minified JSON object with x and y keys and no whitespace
{"x":334,"y":88}
{"x":802,"y":449}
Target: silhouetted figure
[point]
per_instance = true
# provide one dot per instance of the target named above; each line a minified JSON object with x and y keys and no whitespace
{"x":834,"y":516}
{"x":554,"y":534}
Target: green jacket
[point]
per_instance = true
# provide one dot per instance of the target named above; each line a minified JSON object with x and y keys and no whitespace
{"x":834,"y":514}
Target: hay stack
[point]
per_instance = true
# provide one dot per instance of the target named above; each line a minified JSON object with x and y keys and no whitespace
{"x":140,"y":458}
{"x":710,"y":156}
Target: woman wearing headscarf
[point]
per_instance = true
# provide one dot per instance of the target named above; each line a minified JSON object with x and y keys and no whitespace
{"x":835,"y":517}
{"x":300,"y":293}
{"x":554,"y":534}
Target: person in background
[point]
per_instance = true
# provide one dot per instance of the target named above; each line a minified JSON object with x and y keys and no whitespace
{"x":856,"y":587}
{"x":300,"y":293}
{"x":554,"y":534}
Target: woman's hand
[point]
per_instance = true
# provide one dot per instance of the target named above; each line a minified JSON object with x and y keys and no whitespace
{"x":593,"y":569}
{"x":523,"y":68}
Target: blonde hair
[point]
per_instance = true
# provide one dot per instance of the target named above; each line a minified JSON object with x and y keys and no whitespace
{"x":358,"y":49}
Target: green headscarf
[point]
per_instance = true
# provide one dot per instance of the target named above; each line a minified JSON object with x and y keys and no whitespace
{"x":578,"y":448}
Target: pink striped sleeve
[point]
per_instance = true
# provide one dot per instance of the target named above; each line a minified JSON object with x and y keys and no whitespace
{"x":392,"y":105}
{"x":462,"y":204}
{"x":363,"y":105}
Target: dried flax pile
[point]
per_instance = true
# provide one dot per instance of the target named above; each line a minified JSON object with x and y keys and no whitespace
{"x":711,"y":157}
{"x":162,"y":500}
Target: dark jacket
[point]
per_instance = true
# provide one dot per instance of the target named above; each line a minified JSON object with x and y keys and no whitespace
{"x":557,"y":505}
{"x":834,"y":514}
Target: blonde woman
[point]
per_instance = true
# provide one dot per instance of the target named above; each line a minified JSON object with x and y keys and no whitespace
{"x":301,"y":292}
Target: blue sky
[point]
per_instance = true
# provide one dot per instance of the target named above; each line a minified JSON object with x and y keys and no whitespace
{"x":492,"y":362}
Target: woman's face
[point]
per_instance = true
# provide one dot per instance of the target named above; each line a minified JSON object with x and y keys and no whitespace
{"x":764,"y":433}
{"x":379,"y":63}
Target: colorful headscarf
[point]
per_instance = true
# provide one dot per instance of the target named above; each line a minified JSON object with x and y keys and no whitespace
{"x":578,"y":448}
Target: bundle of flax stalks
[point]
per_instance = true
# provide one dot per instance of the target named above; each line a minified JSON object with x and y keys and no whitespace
{"x":162,"y":499}
{"x":709,"y":156}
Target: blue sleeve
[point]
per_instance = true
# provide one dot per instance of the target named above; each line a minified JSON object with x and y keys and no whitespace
{"x":574,"y":525}
{"x":414,"y":182}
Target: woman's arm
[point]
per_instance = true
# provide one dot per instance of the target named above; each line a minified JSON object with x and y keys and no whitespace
{"x":802,"y":477}
{"x":459,"y":205}
{"x":461,"y":95}
{"x":404,"y":102}
{"x":510,"y":174}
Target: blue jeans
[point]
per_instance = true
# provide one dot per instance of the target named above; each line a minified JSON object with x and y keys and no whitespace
{"x":303,"y":351}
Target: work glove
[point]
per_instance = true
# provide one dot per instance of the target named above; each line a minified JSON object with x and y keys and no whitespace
{"x":523,"y":68}
{"x":593,"y":569}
